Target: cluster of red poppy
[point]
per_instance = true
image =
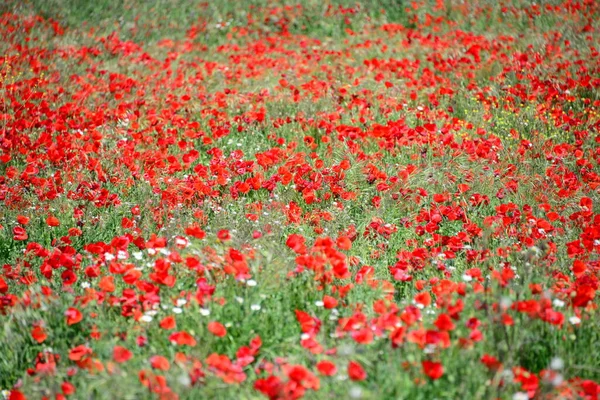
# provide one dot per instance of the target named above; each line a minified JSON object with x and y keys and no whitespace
{"x":430,"y":191}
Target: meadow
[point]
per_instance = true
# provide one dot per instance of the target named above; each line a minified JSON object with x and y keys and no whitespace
{"x":300,"y":199}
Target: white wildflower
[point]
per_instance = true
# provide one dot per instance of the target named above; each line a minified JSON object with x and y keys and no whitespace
{"x":557,"y":363}
{"x":558,"y":303}
{"x":355,"y":392}
{"x":505,"y":302}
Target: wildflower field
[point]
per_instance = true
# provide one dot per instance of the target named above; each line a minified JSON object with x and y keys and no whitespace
{"x":315,"y":199}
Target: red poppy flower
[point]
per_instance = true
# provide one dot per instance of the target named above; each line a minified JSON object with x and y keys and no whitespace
{"x":52,"y":221}
{"x":329,"y":302}
{"x":23,"y":220}
{"x":303,"y":377}
{"x":491,"y":362}
{"x":217,"y":329}
{"x":73,"y":316}
{"x":168,"y":323}
{"x":182,"y":338}
{"x":79,"y":352}
{"x":583,"y":295}
{"x":107,"y":284}
{"x":38,"y":334}
{"x":432,"y":369}
{"x":344,"y":243}
{"x":444,"y":323}
{"x":296,"y":243}
{"x":160,"y":362}
{"x":326,"y":368}
{"x":423,"y":298}
{"x":356,"y":371}
{"x":224,"y":235}
{"x":67,"y":388}
{"x":19,"y":233}
{"x":16,"y":395}
{"x":121,"y":354}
